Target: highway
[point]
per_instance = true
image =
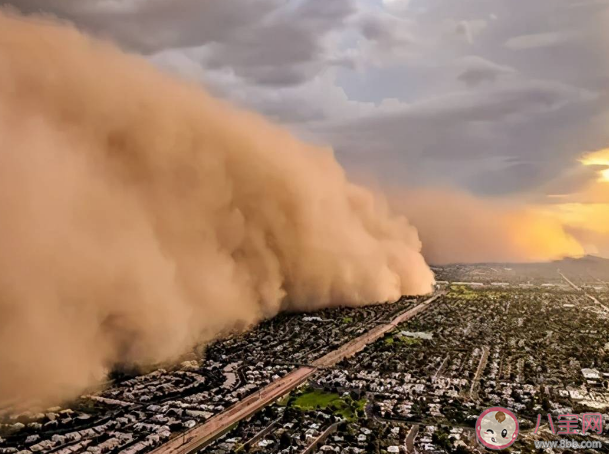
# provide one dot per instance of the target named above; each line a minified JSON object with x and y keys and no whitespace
{"x":197,"y":437}
{"x":473,"y":391}
{"x":358,"y":344}
{"x":597,"y":302}
{"x":414,"y":430}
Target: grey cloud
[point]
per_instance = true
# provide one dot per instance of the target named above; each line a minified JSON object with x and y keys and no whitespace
{"x":385,"y":39}
{"x":397,"y":7}
{"x":501,"y":181}
{"x":514,"y":99}
{"x":326,"y":67}
{"x":538,"y":40}
{"x":492,"y":140}
{"x":153,"y":25}
{"x":517,"y":101}
{"x":470,"y":28}
{"x":589,"y":4}
{"x":384,"y":29}
{"x":478,"y":70}
{"x":266,"y":41}
{"x":323,"y":16}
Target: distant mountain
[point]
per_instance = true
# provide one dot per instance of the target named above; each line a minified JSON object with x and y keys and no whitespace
{"x":588,"y":265}
{"x":585,"y":260}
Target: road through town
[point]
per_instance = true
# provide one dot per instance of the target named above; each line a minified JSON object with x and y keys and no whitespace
{"x":596,"y":301}
{"x":197,"y":437}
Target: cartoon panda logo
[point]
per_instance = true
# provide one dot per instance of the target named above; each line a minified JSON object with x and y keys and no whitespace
{"x":497,"y":428}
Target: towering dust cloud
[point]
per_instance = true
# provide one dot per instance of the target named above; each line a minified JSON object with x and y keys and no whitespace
{"x":139,"y":216}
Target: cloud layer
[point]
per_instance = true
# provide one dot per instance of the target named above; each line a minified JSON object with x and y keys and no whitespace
{"x":504,"y":78}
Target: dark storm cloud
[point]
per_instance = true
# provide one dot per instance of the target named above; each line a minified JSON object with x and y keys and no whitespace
{"x":519,"y":100}
{"x":477,"y":70}
{"x":383,"y":29}
{"x":531,"y":108}
{"x":496,"y":140}
{"x":498,"y":96}
{"x":152,"y":25}
{"x":271,"y":42}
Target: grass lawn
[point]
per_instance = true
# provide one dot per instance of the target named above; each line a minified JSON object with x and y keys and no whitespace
{"x":406,"y":340}
{"x":316,"y":399}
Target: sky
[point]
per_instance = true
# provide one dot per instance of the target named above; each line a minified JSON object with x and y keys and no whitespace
{"x":503,"y":101}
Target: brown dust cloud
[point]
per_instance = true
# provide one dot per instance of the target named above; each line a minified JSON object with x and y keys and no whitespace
{"x":458,"y":227}
{"x":139,"y":217}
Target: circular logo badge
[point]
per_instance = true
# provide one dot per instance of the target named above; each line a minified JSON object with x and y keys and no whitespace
{"x":497,"y":428}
